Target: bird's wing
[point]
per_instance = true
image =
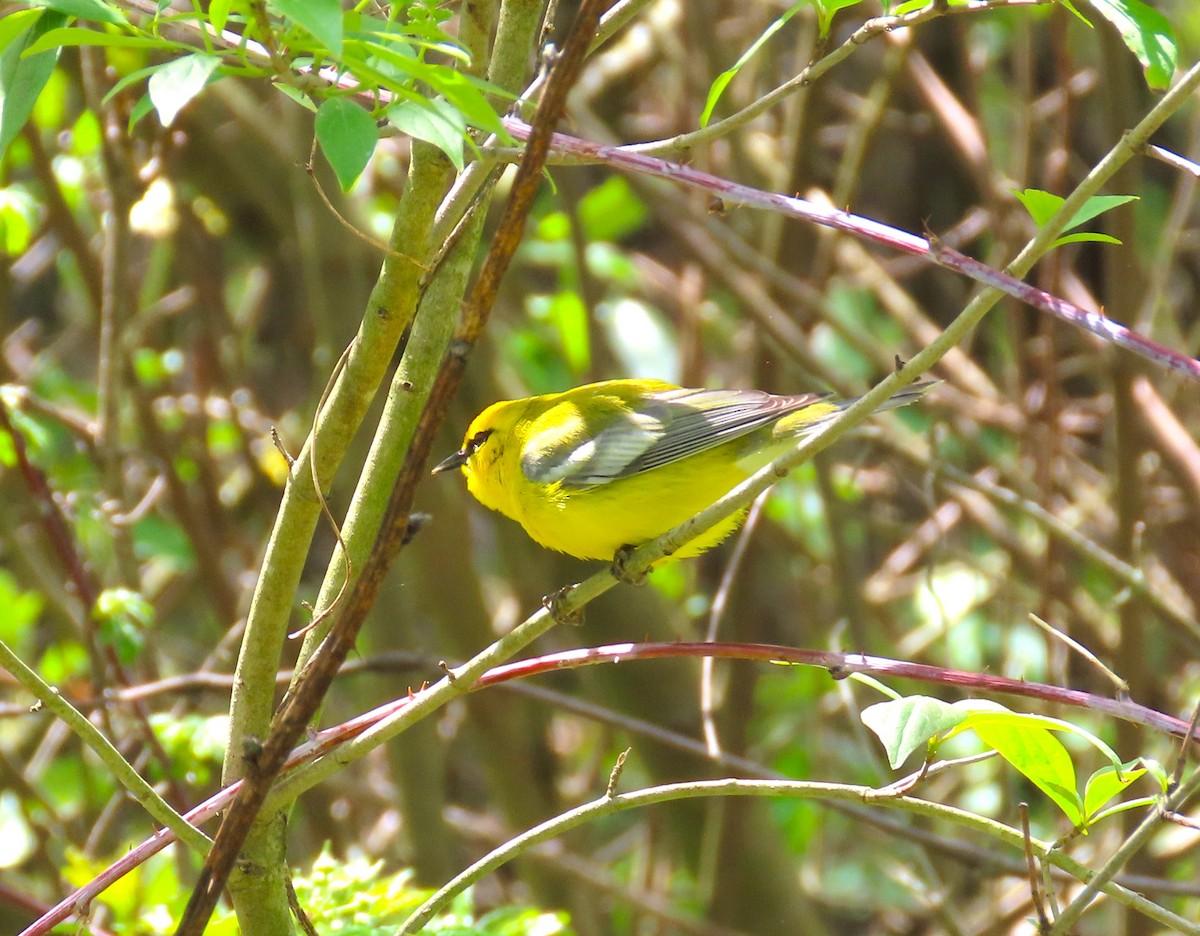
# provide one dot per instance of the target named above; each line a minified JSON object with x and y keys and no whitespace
{"x":659,"y":429}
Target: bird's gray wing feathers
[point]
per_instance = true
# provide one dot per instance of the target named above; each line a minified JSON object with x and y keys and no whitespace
{"x":665,"y":427}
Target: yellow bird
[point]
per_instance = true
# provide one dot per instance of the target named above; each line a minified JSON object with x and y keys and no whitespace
{"x":615,"y":464}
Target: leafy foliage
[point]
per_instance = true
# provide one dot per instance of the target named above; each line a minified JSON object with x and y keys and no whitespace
{"x":175,"y":305}
{"x":1042,"y":206}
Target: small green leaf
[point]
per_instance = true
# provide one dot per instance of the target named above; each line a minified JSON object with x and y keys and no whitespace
{"x":611,"y":210}
{"x":1097,"y":205}
{"x":568,"y":314}
{"x":124,"y":602}
{"x":908,"y":724}
{"x":322,"y":18}
{"x":464,"y":92}
{"x":722,"y":80}
{"x":347,"y":135}
{"x":1158,"y":772}
{"x":875,"y":684}
{"x":13,"y":24}
{"x":95,"y":10}
{"x":19,"y":610}
{"x":177,"y":82}
{"x":139,"y":110}
{"x":218,"y":13}
{"x":1141,"y":802}
{"x":1079,"y":16}
{"x":827,"y":9}
{"x":438,"y":122}
{"x":1106,"y":783}
{"x":23,"y":76}
{"x":1040,"y":205}
{"x":132,"y":78}
{"x":18,"y":218}
{"x":122,"y":616}
{"x":1085,"y":237}
{"x":1040,"y":756}
{"x":78,"y":36}
{"x":296,"y":95}
{"x":999,"y":713}
{"x":1147,"y":34}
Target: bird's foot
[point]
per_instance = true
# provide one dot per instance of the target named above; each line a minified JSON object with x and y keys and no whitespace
{"x":554,"y":604}
{"x":621,"y":570}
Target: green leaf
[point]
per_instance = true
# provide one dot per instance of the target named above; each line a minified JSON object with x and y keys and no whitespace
{"x":1158,"y":772}
{"x":875,"y":684}
{"x":347,"y":135}
{"x":1147,"y":34}
{"x":722,"y":80}
{"x":1106,"y":783}
{"x":19,"y":610}
{"x":18,"y":219}
{"x":611,"y":210}
{"x":177,"y":82}
{"x":296,"y":95}
{"x":16,"y":23}
{"x":1141,"y":802}
{"x":1040,"y":756}
{"x":95,"y":10}
{"x":1085,"y":237}
{"x":78,"y":36}
{"x":322,"y":18}
{"x":996,"y":712}
{"x":827,"y":9}
{"x":908,"y":724}
{"x":1079,"y":16}
{"x":467,"y":93}
{"x":1042,"y":206}
{"x":568,"y":314}
{"x":139,"y":110}
{"x":218,"y":13}
{"x":438,"y":122}
{"x":1097,"y":205}
{"x":23,"y":76}
{"x":464,"y":92}
{"x":132,"y":78}
{"x":122,"y":616}
{"x":124,"y":602}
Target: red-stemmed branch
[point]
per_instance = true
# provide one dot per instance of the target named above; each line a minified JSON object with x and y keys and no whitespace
{"x":839,"y":666}
{"x":927,"y":248}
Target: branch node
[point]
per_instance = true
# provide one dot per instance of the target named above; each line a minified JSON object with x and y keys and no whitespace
{"x":615,"y":777}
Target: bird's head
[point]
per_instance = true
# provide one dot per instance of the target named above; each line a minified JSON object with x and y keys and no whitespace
{"x":482,"y":451}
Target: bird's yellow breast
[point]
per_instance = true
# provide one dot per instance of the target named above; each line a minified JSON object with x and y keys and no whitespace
{"x":595,"y":522}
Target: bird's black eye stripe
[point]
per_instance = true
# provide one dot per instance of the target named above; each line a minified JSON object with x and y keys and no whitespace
{"x":476,"y":441}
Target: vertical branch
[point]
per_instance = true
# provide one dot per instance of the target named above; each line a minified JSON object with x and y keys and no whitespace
{"x":114,"y":290}
{"x":264,"y":765}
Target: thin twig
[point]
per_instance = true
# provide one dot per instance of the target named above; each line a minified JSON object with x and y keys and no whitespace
{"x":1031,"y":867}
{"x":716,"y":612}
{"x":1057,"y":634}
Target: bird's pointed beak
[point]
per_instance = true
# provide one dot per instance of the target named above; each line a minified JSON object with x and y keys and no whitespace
{"x":457,"y":460}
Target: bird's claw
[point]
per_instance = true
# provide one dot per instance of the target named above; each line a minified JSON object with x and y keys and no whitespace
{"x":621,"y":570}
{"x":553,"y":603}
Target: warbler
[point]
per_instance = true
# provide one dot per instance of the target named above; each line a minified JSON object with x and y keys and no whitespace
{"x":615,"y":464}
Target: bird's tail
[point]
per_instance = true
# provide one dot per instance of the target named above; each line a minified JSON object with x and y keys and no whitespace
{"x":908,"y":395}
{"x":903,"y":397}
